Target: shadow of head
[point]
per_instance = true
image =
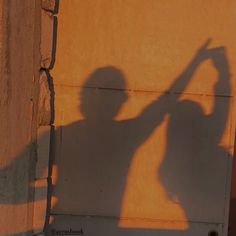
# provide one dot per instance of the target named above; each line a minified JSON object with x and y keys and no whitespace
{"x":187,"y":113}
{"x":103,"y":93}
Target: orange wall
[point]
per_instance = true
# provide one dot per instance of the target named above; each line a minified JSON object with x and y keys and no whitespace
{"x":174,"y":171}
{"x":19,"y":73}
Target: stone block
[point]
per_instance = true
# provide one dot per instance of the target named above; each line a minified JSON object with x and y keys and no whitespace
{"x":105,"y":164}
{"x":44,"y":105}
{"x":46,"y":47}
{"x":49,"y":5}
{"x":151,"y":51}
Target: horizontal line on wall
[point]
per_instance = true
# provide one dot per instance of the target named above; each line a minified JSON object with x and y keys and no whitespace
{"x":147,"y":91}
{"x":134,"y":219}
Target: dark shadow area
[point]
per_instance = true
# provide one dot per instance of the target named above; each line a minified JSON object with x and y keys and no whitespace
{"x":93,"y":155}
{"x":232,"y":217}
{"x":195,"y":164}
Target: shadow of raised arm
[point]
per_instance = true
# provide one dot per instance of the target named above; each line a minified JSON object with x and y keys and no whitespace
{"x":222,"y":88}
{"x":154,"y":113}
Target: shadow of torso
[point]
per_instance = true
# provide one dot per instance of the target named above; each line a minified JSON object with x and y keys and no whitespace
{"x":93,"y":166}
{"x":195,"y":166}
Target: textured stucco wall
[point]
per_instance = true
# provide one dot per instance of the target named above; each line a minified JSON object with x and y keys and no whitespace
{"x":26,"y":92}
{"x":19,"y":89}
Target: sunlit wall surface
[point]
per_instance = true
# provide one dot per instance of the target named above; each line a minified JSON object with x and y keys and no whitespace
{"x":19,"y":71}
{"x":144,"y":117}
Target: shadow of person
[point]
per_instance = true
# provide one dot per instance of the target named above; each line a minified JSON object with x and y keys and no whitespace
{"x":195,"y":165}
{"x":93,"y":155}
{"x":97,"y":151}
